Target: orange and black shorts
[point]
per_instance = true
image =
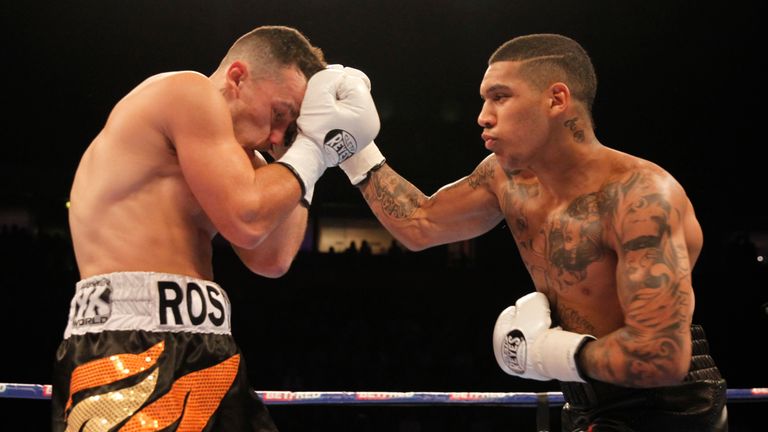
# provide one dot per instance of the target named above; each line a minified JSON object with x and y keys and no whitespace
{"x":152,"y":352}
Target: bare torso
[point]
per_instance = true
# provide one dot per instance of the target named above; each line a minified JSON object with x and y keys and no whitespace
{"x":569,"y":247}
{"x":131,"y":209}
{"x":610,"y":238}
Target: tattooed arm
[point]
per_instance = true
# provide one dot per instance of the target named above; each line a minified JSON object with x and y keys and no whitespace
{"x":653,"y":277}
{"x":461,"y":210}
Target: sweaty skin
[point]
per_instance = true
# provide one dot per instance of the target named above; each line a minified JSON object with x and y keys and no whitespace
{"x":175,"y":163}
{"x":610,"y":238}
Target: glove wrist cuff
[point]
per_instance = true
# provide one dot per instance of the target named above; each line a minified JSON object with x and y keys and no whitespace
{"x":359,"y":166}
{"x":305,"y":160}
{"x":556,"y":355}
{"x":304,"y":202}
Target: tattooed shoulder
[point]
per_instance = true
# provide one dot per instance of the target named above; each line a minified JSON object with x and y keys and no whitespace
{"x":629,"y":186}
{"x":483,"y":174}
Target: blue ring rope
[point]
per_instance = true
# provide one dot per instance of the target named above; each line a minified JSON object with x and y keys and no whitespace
{"x":521,"y":399}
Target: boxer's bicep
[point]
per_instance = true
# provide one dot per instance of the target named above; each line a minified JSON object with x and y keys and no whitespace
{"x":653,"y":268}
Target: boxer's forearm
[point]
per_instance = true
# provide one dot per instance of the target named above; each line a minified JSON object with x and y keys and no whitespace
{"x":395,"y":202}
{"x":456,"y":212}
{"x":653,"y":348}
{"x":628,"y":358}
{"x":274,"y":255}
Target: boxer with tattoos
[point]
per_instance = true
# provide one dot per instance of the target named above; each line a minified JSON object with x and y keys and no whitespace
{"x":609,"y":240}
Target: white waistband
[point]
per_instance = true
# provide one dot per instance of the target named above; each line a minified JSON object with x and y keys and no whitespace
{"x":148,"y":301}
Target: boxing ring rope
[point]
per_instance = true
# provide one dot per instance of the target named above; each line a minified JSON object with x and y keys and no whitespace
{"x":541,"y":401}
{"x":519,"y":399}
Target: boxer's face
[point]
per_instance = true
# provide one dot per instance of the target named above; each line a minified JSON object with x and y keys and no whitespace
{"x":268,"y":108}
{"x":513,"y":116}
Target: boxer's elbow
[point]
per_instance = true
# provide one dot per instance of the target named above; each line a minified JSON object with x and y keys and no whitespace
{"x":276,"y":272}
{"x":679,"y":364}
{"x":668,"y":378}
{"x":423,"y":234}
{"x":243,"y":233}
{"x":244,"y":240}
{"x":266,"y":259}
{"x":414,"y":244}
{"x":271,"y":267}
{"x":679,"y":370}
{"x":416,"y":240}
{"x":672,"y":373}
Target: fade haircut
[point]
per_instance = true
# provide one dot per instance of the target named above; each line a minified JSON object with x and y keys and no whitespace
{"x":268,"y":49}
{"x":550,"y":58}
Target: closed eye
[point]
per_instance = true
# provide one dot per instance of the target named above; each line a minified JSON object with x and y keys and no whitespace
{"x":277,"y":115}
{"x":290,"y":134}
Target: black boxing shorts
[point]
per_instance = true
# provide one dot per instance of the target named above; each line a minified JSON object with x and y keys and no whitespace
{"x":152,"y":351}
{"x":696,"y":405}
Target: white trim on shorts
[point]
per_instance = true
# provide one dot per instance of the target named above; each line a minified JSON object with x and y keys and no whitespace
{"x":149,"y":301}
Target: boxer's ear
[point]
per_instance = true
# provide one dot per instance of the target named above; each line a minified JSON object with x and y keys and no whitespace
{"x":559,"y":97}
{"x":237,"y":73}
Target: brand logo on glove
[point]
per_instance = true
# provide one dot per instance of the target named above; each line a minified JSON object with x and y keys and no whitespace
{"x":341,"y":143}
{"x":514,"y":351}
{"x":93,"y":303}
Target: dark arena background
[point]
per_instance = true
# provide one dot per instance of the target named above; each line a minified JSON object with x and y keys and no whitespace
{"x":679,"y":84}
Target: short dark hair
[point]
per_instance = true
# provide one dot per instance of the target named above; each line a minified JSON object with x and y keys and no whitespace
{"x":268,"y":48}
{"x":548,"y":58}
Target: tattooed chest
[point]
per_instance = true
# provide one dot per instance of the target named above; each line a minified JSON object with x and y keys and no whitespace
{"x":564,"y":249}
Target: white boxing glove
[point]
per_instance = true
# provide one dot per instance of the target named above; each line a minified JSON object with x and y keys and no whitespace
{"x":526,"y":346}
{"x":338,"y":118}
{"x":369,"y":157}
